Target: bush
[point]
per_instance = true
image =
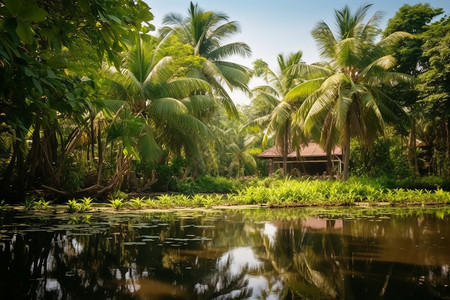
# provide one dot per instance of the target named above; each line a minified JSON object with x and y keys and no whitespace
{"x":74,"y":174}
{"x":375,"y":161}
{"x":425,"y":183}
{"x":205,"y":184}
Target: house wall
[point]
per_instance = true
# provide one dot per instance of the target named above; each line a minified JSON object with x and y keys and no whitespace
{"x":318,"y":166}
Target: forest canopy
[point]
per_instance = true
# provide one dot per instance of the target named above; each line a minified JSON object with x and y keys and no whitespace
{"x":94,"y":98}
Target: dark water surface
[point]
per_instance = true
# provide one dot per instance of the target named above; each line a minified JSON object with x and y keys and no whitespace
{"x":248,"y":254}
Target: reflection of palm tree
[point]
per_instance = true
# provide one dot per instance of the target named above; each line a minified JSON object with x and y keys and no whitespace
{"x":307,"y":261}
{"x":223,"y":286}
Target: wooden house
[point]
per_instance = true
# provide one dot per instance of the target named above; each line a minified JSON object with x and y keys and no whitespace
{"x":312,"y":160}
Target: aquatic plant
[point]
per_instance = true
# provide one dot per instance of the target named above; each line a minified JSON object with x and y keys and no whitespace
{"x":79,"y":220}
{"x":137,"y":202}
{"x":42,"y":204}
{"x":72,"y":206}
{"x":117,"y":204}
{"x":86,"y":203}
{"x":3,"y":205}
{"x":29,"y":203}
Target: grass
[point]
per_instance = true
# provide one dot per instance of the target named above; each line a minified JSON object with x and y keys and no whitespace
{"x":271,"y":192}
{"x":294,"y":192}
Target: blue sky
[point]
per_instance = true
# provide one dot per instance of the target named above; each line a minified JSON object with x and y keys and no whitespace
{"x":271,"y":27}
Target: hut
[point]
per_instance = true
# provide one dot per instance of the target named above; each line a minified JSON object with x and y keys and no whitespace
{"x":312,"y":160}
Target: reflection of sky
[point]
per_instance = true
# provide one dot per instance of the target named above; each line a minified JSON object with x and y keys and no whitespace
{"x":270,"y":230}
{"x":261,"y":289}
{"x":243,"y":259}
{"x":239,"y":259}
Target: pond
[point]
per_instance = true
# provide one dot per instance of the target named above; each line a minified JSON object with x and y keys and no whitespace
{"x":341,"y":253}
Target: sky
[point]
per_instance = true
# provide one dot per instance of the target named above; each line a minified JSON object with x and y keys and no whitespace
{"x":271,"y":27}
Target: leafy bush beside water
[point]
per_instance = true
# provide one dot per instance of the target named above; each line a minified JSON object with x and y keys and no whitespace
{"x":275,"y":192}
{"x":320,"y":192}
{"x":293,"y":192}
{"x":205,"y":184}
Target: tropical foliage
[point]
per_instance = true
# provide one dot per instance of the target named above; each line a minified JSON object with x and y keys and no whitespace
{"x":92,"y":103}
{"x":205,"y":31}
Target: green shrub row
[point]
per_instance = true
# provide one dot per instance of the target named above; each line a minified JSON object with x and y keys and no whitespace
{"x":169,"y":201}
{"x":324,"y":192}
{"x":272,"y":191}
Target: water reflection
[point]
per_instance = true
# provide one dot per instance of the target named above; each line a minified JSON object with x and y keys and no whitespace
{"x":254,"y":254}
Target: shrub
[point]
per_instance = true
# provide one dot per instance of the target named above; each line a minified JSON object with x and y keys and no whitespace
{"x":3,"y":205}
{"x":205,"y":184}
{"x":86,"y":203}
{"x":117,"y":204}
{"x":72,"y":206}
{"x":137,"y":202}
{"x":118,"y":194}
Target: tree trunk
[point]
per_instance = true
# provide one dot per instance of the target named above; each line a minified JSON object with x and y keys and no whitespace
{"x":8,"y":174}
{"x":100,"y":154}
{"x":448,"y":146}
{"x":286,"y":147}
{"x":329,"y":163}
{"x":412,"y":149}
{"x":346,"y":150}
{"x":20,"y":184}
{"x":92,"y":138}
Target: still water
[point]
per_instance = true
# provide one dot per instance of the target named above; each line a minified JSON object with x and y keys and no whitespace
{"x":247,"y":254}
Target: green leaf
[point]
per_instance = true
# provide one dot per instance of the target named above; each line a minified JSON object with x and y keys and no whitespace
{"x":32,"y":13}
{"x":37,"y":85}
{"x":28,"y":72}
{"x":115,"y":19}
{"x":13,"y":6}
{"x":51,"y":74}
{"x":25,"y":32}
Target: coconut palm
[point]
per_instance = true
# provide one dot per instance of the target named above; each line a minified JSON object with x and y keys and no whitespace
{"x":152,"y":109}
{"x":277,"y":122}
{"x":204,"y":31}
{"x":347,"y":97}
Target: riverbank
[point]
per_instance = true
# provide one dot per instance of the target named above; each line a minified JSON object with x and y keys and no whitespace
{"x":268,"y":192}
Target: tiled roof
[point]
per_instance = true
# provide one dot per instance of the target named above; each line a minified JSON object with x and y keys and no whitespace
{"x":311,"y":150}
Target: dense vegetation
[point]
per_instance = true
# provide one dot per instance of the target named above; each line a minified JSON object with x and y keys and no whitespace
{"x":91,"y":102}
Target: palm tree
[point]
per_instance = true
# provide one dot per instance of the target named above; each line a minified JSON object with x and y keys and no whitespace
{"x":239,"y":149}
{"x":348,"y":98}
{"x":204,"y":31}
{"x":277,"y":122}
{"x":151,"y":109}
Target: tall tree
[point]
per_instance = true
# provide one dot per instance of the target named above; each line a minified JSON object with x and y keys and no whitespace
{"x":350,"y":97}
{"x":412,"y":19}
{"x":205,"y":32}
{"x":434,"y":86}
{"x":39,"y":43}
{"x":277,"y":121}
{"x":153,"y":109}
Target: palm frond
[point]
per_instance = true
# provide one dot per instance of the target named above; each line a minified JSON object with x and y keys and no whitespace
{"x":184,"y":87}
{"x":212,"y":71}
{"x":160,"y":72}
{"x":165,"y":108}
{"x":267,"y":98}
{"x":348,"y":52}
{"x":325,"y":39}
{"x":309,"y":71}
{"x":199,"y":104}
{"x":226,"y":30}
{"x":304,"y":89}
{"x":227,"y":50}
